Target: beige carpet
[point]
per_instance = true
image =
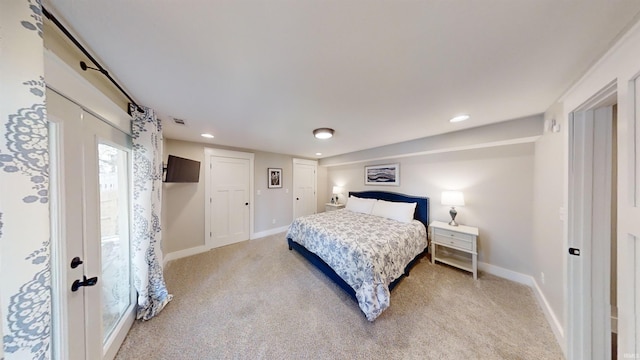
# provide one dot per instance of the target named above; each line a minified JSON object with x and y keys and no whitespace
{"x":258,"y":300}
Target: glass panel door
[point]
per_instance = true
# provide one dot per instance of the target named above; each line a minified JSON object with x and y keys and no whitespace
{"x":114,"y":235}
{"x":94,"y":299}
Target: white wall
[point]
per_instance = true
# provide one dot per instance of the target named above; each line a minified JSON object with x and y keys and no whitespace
{"x":548,"y":229}
{"x":497,"y":183}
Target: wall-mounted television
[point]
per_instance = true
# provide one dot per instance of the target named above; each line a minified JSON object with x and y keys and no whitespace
{"x":181,"y":170}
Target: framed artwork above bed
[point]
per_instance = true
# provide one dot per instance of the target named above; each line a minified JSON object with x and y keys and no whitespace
{"x":388,"y":174}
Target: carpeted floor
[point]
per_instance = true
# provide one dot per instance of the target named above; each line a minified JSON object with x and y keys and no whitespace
{"x":258,"y":300}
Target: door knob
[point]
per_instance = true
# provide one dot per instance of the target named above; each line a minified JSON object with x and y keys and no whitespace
{"x":246,"y":203}
{"x":85,"y":282}
{"x":75,"y":262}
{"x":297,"y":198}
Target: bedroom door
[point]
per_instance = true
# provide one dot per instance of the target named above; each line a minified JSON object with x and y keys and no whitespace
{"x":590,"y":231}
{"x":94,"y":298}
{"x":229,"y":197}
{"x":304,"y":187}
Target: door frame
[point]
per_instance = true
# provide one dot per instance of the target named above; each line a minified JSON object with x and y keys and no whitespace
{"x":583,"y":314}
{"x":208,"y":192}
{"x":313,"y":163}
{"x":64,"y":80}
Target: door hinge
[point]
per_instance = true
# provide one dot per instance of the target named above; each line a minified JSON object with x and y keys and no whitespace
{"x":574,"y":251}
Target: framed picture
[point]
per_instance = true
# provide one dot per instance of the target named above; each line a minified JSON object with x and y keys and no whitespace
{"x":388,"y":174}
{"x":275,"y":177}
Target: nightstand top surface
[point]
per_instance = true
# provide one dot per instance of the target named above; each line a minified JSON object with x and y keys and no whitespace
{"x":460,"y":228}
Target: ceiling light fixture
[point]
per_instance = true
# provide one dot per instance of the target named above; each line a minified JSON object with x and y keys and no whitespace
{"x":323,"y":133}
{"x":318,"y":154}
{"x":208,"y":136}
{"x":459,"y":118}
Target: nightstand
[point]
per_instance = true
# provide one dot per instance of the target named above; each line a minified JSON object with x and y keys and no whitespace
{"x":455,"y":245}
{"x":332,"y":207}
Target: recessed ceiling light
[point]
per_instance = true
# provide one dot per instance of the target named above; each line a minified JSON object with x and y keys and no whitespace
{"x":208,"y":136}
{"x":318,"y":154}
{"x":459,"y":118}
{"x":323,"y":133}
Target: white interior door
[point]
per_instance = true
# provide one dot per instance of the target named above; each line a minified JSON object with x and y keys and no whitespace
{"x":94,"y":299}
{"x":229,"y":200}
{"x":304,"y":187}
{"x":590,"y":216}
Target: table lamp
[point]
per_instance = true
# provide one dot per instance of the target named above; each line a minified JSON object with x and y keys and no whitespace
{"x":453,"y":199}
{"x":337,"y":190}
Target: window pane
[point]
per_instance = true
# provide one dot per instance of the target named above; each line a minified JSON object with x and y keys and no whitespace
{"x":114,"y":226}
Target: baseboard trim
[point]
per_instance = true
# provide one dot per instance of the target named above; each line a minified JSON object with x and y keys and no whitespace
{"x":506,"y":273}
{"x":269,"y":232}
{"x":183,"y":253}
{"x":552,"y":319}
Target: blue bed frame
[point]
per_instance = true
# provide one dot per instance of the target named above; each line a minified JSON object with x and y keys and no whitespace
{"x":421,"y":214}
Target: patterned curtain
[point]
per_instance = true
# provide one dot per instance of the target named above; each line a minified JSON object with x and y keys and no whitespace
{"x":25,"y":280}
{"x":147,"y":201}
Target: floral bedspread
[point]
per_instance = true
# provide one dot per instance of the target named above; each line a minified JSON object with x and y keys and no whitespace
{"x":368,"y":252}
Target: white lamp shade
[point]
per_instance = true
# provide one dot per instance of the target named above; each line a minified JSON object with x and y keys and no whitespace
{"x":452,"y":198}
{"x":338,"y":190}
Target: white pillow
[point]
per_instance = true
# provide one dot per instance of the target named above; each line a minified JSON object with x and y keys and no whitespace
{"x":399,"y":211}
{"x":357,"y":204}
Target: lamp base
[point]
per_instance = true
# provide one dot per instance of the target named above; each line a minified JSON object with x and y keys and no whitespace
{"x":453,"y":214}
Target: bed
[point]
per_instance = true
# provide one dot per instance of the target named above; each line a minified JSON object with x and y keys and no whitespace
{"x":365,"y":254}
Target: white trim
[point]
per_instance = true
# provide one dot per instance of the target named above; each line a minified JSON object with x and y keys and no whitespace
{"x":524,"y":140}
{"x":506,"y":273}
{"x":183,"y":253}
{"x":269,"y":232}
{"x":110,"y":351}
{"x":69,"y":83}
{"x":552,"y":319}
{"x":529,"y":281}
{"x":208,"y":153}
{"x":59,"y":280}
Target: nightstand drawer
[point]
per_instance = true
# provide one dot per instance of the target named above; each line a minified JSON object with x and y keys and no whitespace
{"x":453,"y":234}
{"x":454,"y":241}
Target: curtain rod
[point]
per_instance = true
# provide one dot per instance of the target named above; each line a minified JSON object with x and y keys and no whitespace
{"x":84,"y":66}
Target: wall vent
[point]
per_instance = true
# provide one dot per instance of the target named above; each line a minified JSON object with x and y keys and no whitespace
{"x":178,"y":121}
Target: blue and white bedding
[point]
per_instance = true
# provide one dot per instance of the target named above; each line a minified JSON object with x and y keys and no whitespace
{"x":368,"y":252}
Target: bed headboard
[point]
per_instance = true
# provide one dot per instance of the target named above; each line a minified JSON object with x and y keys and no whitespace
{"x":422,"y":207}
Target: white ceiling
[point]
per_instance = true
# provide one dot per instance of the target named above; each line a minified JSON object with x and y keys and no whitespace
{"x":263,"y":74}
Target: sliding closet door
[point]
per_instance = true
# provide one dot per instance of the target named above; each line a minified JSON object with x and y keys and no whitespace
{"x":92,"y":268}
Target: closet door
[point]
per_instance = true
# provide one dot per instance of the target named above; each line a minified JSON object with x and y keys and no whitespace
{"x":304,"y":187}
{"x":230,"y":200}
{"x":229,"y":197}
{"x":91,"y":177}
